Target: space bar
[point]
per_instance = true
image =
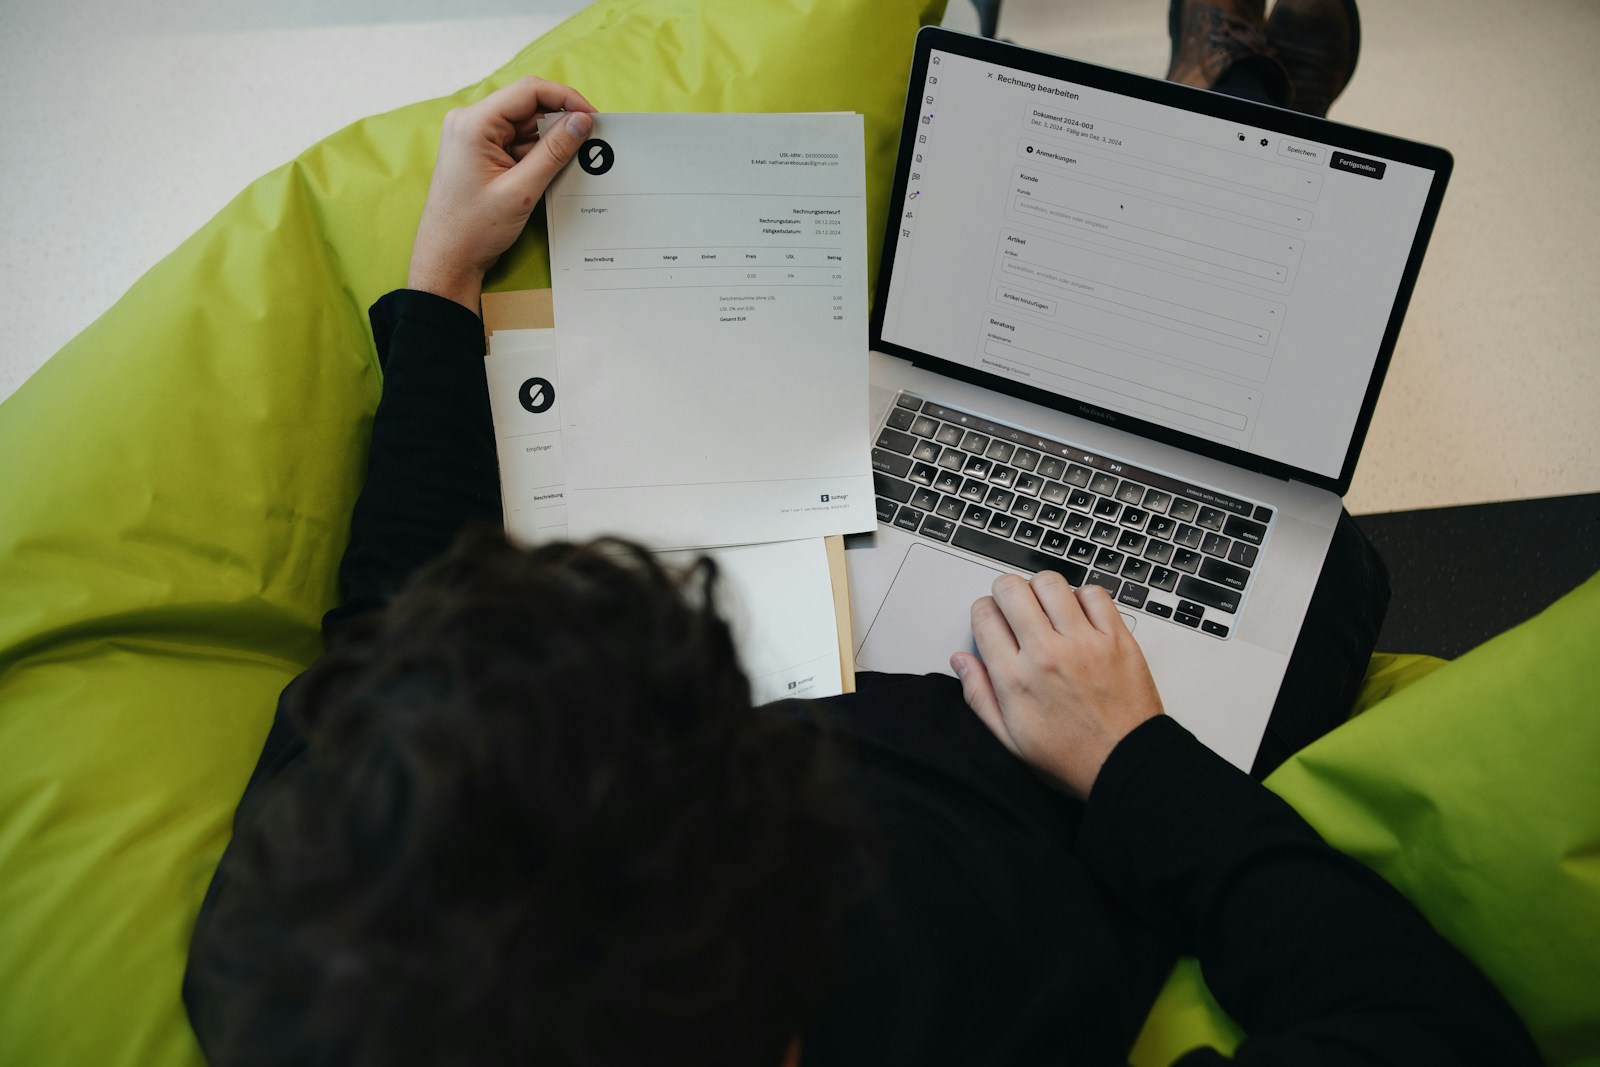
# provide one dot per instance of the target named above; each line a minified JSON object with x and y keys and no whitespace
{"x":1017,"y":555}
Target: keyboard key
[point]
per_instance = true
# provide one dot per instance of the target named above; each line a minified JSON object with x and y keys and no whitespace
{"x":1212,"y":596}
{"x":1133,"y":517}
{"x":889,"y":463}
{"x":1245,"y":530}
{"x":1187,"y":620}
{"x":1005,"y":476}
{"x":1157,"y":501}
{"x":949,"y":435}
{"x":1028,"y":533}
{"x":938,"y":529}
{"x":1002,"y":525}
{"x":1158,"y":609}
{"x":1211,"y":626}
{"x":976,"y":467}
{"x":977,"y":515}
{"x":927,"y":451}
{"x":975,"y":443}
{"x":1078,"y":476}
{"x":1130,"y":492}
{"x":1164,"y":579}
{"x":1054,"y":493}
{"x":1189,"y":536}
{"x":1016,"y":555}
{"x":1187,"y":561}
{"x":1183,"y":510}
{"x":909,"y":518}
{"x":951,"y":507}
{"x":1216,"y":545}
{"x":1129,"y":541}
{"x":1103,"y":484}
{"x":923,"y":426}
{"x":895,"y":441}
{"x":1105,"y":581}
{"x":901,"y":419}
{"x":1051,"y":516}
{"x":905,"y":400}
{"x":1132,"y":595}
{"x":1137,"y":570}
{"x":1025,"y":508}
{"x":1211,"y":519}
{"x":925,"y":499}
{"x":1244,"y":555}
{"x":1025,"y":459}
{"x":974,"y":490}
{"x":1077,"y":524}
{"x":1161,"y":526}
{"x":1189,"y":607}
{"x":1000,"y":451}
{"x":923,"y":474}
{"x":1055,"y":543}
{"x":1107,"y":508}
{"x":1082,"y":550}
{"x":947,"y":482}
{"x":893,"y":488}
{"x":952,"y":459}
{"x":999,"y":499}
{"x":1109,"y":560}
{"x":1105,"y":533}
{"x":1225,"y":574}
{"x":1078,"y":499}
{"x":886,"y":510}
{"x":1050,"y":467}
{"x":1262,"y":513}
{"x":1158,"y":552}
{"x":1030,"y":484}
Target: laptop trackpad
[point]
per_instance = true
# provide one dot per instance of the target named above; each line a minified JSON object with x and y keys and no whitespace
{"x":928,"y":614}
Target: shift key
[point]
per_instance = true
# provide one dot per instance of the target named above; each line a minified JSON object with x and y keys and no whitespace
{"x":1212,"y":596}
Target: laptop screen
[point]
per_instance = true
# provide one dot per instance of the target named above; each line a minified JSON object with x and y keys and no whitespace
{"x":1221,"y":275}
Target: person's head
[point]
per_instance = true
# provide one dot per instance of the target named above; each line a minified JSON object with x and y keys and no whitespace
{"x":539,"y":824}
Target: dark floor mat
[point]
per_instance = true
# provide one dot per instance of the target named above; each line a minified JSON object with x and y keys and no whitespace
{"x":1461,"y":575}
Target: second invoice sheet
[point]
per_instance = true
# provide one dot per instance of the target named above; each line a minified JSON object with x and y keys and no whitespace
{"x":709,"y":276}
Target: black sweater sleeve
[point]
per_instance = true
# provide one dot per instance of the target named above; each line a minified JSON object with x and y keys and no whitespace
{"x":432,"y":469}
{"x":1319,"y":959}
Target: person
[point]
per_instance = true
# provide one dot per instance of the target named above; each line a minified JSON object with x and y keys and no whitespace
{"x":522,"y":810}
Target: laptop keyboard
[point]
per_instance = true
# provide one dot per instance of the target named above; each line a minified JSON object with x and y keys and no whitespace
{"x":1159,"y":545}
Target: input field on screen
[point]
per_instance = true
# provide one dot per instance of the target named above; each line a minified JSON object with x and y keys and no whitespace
{"x":1153,"y":311}
{"x":1140,"y":178}
{"x":1182,"y":156}
{"x":1111,"y":389}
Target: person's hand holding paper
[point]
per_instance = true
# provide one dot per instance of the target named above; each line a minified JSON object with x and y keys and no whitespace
{"x":710,"y":296}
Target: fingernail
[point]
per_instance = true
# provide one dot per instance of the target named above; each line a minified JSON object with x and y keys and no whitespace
{"x":959,"y":665}
{"x":579,"y":124}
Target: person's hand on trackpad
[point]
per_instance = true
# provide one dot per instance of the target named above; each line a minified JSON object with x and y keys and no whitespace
{"x":1061,"y":680}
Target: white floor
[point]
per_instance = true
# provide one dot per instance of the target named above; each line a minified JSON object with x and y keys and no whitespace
{"x":126,"y":125}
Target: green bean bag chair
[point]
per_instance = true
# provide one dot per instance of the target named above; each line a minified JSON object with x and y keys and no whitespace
{"x":175,"y":490}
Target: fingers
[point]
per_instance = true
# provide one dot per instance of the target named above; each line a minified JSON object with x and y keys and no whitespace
{"x":978,"y":691}
{"x":991,"y":630}
{"x":527,"y":97}
{"x":1016,"y":599}
{"x":551,"y":152}
{"x":1059,"y":602}
{"x":1100,"y":609}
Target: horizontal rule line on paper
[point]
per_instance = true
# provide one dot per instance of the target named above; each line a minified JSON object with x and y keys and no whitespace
{"x":742,"y":481}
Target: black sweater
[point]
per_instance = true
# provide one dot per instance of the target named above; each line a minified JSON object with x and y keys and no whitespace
{"x":1015,"y":926}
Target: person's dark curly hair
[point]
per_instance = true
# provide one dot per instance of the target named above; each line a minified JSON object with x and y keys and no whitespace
{"x":540,"y":824}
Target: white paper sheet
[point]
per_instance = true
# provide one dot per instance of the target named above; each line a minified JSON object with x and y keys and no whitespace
{"x":710,"y":292}
{"x":778,"y":597}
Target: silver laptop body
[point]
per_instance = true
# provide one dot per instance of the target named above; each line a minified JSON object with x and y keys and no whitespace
{"x":1126,"y":275}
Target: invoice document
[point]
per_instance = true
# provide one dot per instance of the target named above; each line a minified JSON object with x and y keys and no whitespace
{"x":777,"y":597}
{"x":709,"y":276}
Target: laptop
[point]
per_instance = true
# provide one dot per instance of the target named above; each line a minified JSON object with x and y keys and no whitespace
{"x":1133,"y":332}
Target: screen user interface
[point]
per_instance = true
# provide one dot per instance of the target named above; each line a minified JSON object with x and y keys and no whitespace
{"x":1220,"y":280}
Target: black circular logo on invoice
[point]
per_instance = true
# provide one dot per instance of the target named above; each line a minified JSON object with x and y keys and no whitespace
{"x":596,"y":156}
{"x":537,"y":394}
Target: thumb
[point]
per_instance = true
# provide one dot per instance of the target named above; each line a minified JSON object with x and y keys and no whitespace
{"x":979,"y":694}
{"x":554,"y":149}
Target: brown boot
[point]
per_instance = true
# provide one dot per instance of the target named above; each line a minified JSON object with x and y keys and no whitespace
{"x":1317,"y":41}
{"x":1209,"y":36}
